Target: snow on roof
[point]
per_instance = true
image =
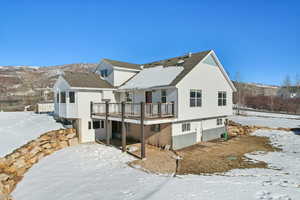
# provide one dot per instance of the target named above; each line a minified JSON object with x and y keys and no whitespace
{"x":153,"y":77}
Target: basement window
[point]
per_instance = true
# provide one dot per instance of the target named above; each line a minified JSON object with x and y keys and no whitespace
{"x":222,"y":98}
{"x":186,"y":127}
{"x":219,"y":121}
{"x":155,"y":127}
{"x":96,"y":124}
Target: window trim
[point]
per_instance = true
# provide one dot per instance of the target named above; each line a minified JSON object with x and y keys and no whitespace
{"x":196,"y":98}
{"x":219,"y":121}
{"x":186,"y":127}
{"x":222,"y":101}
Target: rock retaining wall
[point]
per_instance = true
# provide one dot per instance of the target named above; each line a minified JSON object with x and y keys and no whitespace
{"x":14,"y":165}
{"x":236,"y":129}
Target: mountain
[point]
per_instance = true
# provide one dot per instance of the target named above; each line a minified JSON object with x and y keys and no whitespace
{"x":28,"y":80}
{"x":26,"y":85}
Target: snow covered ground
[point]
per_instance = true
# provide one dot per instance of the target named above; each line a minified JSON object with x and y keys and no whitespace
{"x":17,"y":128}
{"x":267,"y":119}
{"x":94,"y":171}
{"x":266,"y":114}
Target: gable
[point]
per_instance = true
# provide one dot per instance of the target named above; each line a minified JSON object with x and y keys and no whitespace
{"x":210,"y":69}
{"x":210,"y":61}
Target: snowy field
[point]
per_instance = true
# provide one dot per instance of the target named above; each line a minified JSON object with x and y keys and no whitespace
{"x":94,"y":171}
{"x":17,"y":128}
{"x":267,"y":119}
{"x":265,"y":114}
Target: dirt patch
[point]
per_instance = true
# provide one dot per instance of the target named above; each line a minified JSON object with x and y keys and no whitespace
{"x":157,"y":161}
{"x":218,"y":156}
{"x":205,"y":157}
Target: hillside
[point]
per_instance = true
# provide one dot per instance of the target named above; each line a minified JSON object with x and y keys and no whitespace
{"x":25,"y":85}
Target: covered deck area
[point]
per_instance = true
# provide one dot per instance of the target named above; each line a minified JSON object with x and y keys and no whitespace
{"x":117,"y":115}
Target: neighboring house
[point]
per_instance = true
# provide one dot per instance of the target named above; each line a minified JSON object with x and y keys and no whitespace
{"x":175,"y":102}
{"x":289,"y":92}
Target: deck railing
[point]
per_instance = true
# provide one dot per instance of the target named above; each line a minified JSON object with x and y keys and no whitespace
{"x":133,"y":110}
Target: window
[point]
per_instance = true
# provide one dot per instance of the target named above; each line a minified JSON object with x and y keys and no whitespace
{"x":104,"y":73}
{"x":98,"y":124}
{"x":155,"y":127}
{"x":90,"y":125}
{"x":222,"y":99}
{"x":57,"y":97}
{"x":128,"y":96}
{"x":63,"y":97}
{"x":164,"y":96}
{"x":219,"y":121}
{"x":195,"y":98}
{"x":186,"y":127}
{"x":72,"y":97}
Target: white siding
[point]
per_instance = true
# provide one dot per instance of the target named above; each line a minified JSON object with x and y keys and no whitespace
{"x":120,"y":76}
{"x":209,"y":79}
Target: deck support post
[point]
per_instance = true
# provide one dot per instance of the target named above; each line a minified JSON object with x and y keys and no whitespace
{"x":106,"y":123}
{"x":123,"y":128}
{"x":143,"y":148}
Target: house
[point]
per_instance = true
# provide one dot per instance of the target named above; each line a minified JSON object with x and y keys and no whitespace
{"x":174,"y":103}
{"x":289,"y":92}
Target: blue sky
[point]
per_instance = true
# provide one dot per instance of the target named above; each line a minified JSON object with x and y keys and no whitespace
{"x":259,"y":39}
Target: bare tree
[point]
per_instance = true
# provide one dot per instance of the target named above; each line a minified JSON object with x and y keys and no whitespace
{"x":286,"y":87}
{"x":239,"y":88}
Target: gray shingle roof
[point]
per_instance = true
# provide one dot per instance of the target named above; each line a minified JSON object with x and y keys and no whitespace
{"x":88,"y":80}
{"x":123,"y":64}
{"x":189,"y":63}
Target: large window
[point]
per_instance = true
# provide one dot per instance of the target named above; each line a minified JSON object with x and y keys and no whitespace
{"x":128,"y":96}
{"x":72,"y":97}
{"x":164,"y":96}
{"x":222,"y":98}
{"x":62,"y":97}
{"x":186,"y":127}
{"x":195,"y":98}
